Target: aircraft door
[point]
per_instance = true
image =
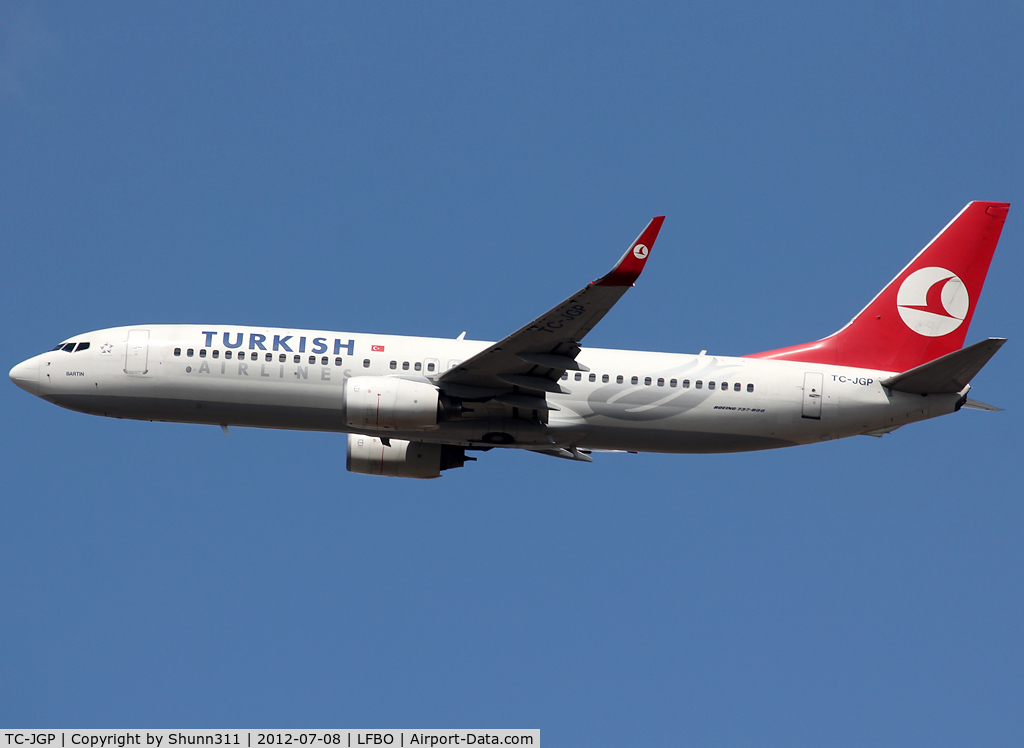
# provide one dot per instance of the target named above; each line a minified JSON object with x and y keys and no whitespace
{"x":136,"y":352}
{"x":812,"y":395}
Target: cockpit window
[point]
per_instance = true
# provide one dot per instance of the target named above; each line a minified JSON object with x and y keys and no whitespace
{"x":82,"y":347}
{"x":57,"y":347}
{"x":69,"y":347}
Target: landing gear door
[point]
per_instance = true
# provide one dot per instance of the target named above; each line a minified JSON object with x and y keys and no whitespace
{"x":812,"y":395}
{"x":136,"y":353}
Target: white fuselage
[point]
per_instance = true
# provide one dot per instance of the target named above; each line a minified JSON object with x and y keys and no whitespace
{"x":629,"y":400}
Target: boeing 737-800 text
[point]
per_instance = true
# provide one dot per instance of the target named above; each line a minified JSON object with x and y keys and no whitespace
{"x":413,"y":407}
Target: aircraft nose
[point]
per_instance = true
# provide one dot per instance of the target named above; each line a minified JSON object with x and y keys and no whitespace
{"x":26,"y":375}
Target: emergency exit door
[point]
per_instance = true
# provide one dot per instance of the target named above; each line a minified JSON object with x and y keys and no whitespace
{"x":812,"y":395}
{"x":136,"y":353}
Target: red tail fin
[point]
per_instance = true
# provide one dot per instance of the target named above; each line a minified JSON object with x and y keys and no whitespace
{"x":925,"y":311}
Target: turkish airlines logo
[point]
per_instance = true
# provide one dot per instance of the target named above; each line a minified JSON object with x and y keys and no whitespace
{"x":640,"y":251}
{"x":933,"y":301}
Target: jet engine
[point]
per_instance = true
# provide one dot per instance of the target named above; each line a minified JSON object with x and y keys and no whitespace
{"x":400,"y":458}
{"x":392,"y":404}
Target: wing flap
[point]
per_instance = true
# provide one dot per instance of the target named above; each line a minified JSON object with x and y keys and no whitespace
{"x":528,"y":402}
{"x":540,"y":384}
{"x":570,"y":453}
{"x":553,"y":362}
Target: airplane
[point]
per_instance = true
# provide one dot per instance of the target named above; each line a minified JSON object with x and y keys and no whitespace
{"x":413,"y":407}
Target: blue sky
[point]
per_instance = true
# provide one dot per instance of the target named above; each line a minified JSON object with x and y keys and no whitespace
{"x":429,"y":169}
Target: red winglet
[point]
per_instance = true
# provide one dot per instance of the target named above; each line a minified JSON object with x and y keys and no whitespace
{"x":629,"y":267}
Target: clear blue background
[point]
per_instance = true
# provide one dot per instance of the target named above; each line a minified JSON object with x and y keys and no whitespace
{"x":432,"y":168}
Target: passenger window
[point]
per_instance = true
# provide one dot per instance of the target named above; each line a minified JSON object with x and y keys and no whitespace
{"x":227,"y":354}
{"x":405,"y":366}
{"x":216,"y":353}
{"x":711,"y":385}
{"x":254,"y":356}
{"x":565,"y":376}
{"x":698,"y":384}
{"x":189,"y":352}
{"x":202,"y":353}
{"x":417,"y":366}
{"x":312,"y":359}
{"x":635,"y":380}
{"x":661,"y":382}
{"x":672,"y":383}
{"x":282,"y":358}
{"x":394,"y":365}
{"x":647,"y":381}
{"x":69,"y":347}
{"x":686,"y":384}
{"x":725,"y":386}
{"x":750,"y":388}
{"x":593,"y":377}
{"x":618,"y":379}
{"x":737,"y":387}
{"x":604,"y":378}
{"x":269,"y":357}
{"x":366,"y":363}
{"x":177,"y":351}
{"x":430,"y":367}
{"x":296,"y":359}
{"x":578,"y":376}
{"x":82,"y":347}
{"x":337,"y":361}
{"x":324,"y":360}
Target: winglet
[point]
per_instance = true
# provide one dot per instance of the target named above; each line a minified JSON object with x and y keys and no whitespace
{"x":629,"y":267}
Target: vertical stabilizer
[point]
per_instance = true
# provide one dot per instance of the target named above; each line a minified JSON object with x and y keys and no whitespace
{"x":925,"y":311}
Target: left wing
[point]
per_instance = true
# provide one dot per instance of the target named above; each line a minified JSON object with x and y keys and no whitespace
{"x":532,"y":359}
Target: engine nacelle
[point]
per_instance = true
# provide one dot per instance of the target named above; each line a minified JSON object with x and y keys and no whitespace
{"x":391,"y":404}
{"x":400,"y":458}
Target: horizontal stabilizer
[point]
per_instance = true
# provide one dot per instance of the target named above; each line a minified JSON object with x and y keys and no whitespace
{"x":978,"y":405}
{"x":946,"y":374}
